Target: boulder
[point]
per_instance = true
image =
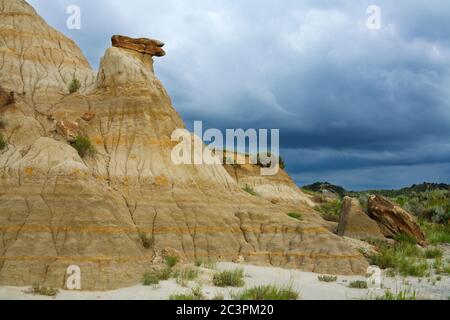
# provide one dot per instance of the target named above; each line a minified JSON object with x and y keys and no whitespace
{"x":142,"y":45}
{"x":393,"y":220}
{"x":355,"y":223}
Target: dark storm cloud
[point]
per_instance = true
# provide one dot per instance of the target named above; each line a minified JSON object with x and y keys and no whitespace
{"x":355,"y":106}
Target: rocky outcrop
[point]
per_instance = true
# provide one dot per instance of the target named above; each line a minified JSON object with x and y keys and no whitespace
{"x":142,"y":45}
{"x":37,"y":62}
{"x":276,"y":188}
{"x":393,"y":220}
{"x":57,"y":209}
{"x":355,"y":223}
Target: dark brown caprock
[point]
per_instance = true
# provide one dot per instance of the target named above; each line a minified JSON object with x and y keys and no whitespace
{"x":142,"y":45}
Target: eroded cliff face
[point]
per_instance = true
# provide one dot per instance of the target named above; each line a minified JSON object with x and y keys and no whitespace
{"x":57,"y":209}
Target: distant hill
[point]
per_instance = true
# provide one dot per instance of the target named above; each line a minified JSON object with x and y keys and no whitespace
{"x":417,"y":188}
{"x":321,"y":186}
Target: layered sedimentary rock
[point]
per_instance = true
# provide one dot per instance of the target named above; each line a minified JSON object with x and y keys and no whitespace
{"x":142,"y":45}
{"x":276,"y":188}
{"x":394,"y":220}
{"x":57,"y":209}
{"x":355,"y":223}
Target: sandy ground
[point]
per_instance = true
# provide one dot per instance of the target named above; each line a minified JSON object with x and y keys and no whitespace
{"x":307,"y":284}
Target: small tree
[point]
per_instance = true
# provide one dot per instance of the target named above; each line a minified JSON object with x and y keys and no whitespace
{"x":83,"y":145}
{"x":74,"y":85}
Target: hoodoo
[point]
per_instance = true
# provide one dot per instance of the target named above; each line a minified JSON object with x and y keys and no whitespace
{"x":59,"y":209}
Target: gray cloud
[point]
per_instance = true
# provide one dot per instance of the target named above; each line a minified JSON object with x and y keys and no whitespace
{"x":352,"y":104}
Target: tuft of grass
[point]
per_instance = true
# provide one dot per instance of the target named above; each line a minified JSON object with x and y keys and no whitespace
{"x":405,"y":238}
{"x":358,"y":284}
{"x":155,"y":276}
{"x":433,"y":253}
{"x":83,"y":146}
{"x":402,"y":295}
{"x":183,"y":276}
{"x":196,"y":294}
{"x":250,"y":190}
{"x":229,"y":278}
{"x":327,"y":278}
{"x":436,"y":233}
{"x":267,"y":292}
{"x":2,"y":142}
{"x":295,"y":215}
{"x":74,"y":85}
{"x":331,"y":209}
{"x":146,"y":241}
{"x":171,"y":261}
{"x":403,"y":258}
{"x":44,"y":291}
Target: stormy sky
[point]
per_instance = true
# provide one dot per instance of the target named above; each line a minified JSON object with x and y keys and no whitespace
{"x":356,"y":107}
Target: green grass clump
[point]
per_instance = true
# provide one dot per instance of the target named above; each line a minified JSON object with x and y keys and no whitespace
{"x":2,"y":142}
{"x":331,"y":209}
{"x":433,"y":253}
{"x":295,"y":215}
{"x":403,"y":257}
{"x":188,"y":274}
{"x":436,"y":233}
{"x":402,"y":295}
{"x":326,"y":278}
{"x":405,"y":238}
{"x":267,"y":292}
{"x":358,"y":284}
{"x":250,"y":190}
{"x":196,"y":294}
{"x":155,"y":276}
{"x":171,"y":261}
{"x":83,"y":146}
{"x":74,"y":85}
{"x":44,"y":291}
{"x":229,"y":278}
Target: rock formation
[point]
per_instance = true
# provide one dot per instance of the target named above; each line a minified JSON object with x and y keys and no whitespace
{"x":142,"y":45}
{"x":57,"y":209}
{"x":393,"y":220}
{"x":355,"y":223}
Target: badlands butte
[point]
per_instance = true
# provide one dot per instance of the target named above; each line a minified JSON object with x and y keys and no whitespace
{"x":58,"y":209}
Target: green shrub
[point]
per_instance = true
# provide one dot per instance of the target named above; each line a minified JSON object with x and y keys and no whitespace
{"x":2,"y":142}
{"x":433,"y":253}
{"x":295,"y":215}
{"x":155,"y":276}
{"x":171,"y":261}
{"x":326,"y":278}
{"x":230,"y":278}
{"x":83,"y":145}
{"x":358,"y":284}
{"x":74,"y":85}
{"x":267,"y":292}
{"x":196,"y":294}
{"x":250,"y":190}
{"x":44,"y":291}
